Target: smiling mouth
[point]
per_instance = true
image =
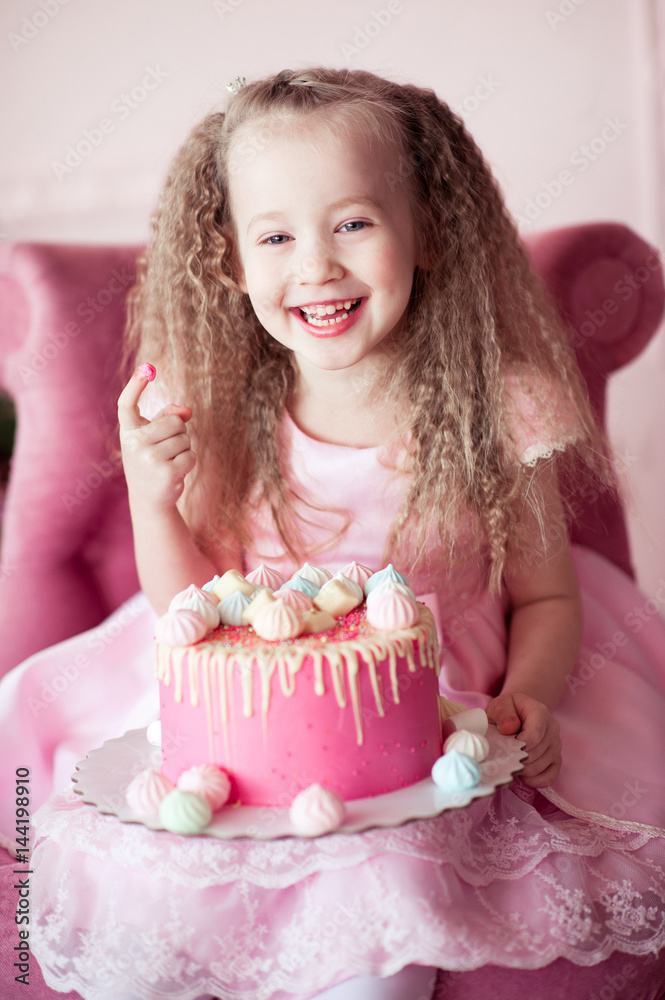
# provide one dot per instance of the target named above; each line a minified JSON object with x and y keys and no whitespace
{"x":342,"y":311}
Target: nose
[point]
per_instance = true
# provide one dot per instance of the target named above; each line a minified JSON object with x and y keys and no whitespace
{"x":316,"y":264}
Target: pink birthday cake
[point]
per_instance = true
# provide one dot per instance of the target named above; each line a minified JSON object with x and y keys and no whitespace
{"x":316,"y":685}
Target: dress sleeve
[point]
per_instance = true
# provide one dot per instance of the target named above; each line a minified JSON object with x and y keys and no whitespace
{"x":540,"y":419}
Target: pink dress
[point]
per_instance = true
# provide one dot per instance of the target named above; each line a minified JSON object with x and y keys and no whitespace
{"x":517,"y":880}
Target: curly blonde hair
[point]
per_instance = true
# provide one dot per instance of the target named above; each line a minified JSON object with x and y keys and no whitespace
{"x":476,"y":311}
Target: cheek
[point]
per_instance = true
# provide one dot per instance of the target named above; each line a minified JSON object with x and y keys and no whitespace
{"x":256,"y":287}
{"x":397,"y":262}
{"x":263,"y":298}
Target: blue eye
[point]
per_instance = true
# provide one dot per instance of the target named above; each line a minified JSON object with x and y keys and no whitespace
{"x":268,"y":240}
{"x":354,"y":222}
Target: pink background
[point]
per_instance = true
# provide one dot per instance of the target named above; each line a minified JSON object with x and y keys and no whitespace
{"x":536,"y":80}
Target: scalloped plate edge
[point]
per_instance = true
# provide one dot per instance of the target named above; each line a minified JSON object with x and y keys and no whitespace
{"x":99,"y":781}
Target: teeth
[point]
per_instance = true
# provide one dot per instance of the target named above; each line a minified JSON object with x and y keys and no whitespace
{"x":315,"y":321}
{"x":315,"y":314}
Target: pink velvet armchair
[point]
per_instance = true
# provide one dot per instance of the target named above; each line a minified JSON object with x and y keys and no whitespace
{"x":66,"y":558}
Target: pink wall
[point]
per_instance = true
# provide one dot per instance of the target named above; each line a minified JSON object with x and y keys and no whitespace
{"x":546,"y":86}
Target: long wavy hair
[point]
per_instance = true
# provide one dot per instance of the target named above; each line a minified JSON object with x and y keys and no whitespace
{"x":476,"y":311}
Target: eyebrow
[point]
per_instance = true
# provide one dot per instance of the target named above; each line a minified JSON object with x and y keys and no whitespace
{"x":353,"y":200}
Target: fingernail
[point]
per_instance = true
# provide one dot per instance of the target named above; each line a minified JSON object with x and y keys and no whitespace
{"x":146,"y":370}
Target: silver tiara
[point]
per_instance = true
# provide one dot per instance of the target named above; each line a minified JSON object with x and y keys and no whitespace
{"x":236,"y":84}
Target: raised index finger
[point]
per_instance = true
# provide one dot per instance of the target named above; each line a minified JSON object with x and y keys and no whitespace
{"x":129,"y":415}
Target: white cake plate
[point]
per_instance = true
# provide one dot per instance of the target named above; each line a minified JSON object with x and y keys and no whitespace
{"x":103,"y":777}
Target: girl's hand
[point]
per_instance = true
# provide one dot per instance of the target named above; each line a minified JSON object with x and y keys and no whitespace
{"x":519,"y":714}
{"x":156,"y":454}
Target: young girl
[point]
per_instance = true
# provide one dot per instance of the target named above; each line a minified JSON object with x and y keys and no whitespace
{"x":356,"y":362}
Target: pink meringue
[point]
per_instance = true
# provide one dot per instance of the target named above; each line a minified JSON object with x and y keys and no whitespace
{"x":180,"y":628}
{"x":357,"y":572}
{"x":265,"y":576}
{"x":295,"y":598}
{"x":201,"y":601}
{"x":146,"y":792}
{"x":207,"y":780}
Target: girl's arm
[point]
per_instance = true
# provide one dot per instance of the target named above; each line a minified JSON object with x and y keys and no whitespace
{"x":544,"y":636}
{"x":157,"y":456}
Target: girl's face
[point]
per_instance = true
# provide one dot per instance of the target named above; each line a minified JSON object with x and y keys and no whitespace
{"x":326,"y":242}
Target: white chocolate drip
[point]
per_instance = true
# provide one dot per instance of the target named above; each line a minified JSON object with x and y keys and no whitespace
{"x":345,"y":661}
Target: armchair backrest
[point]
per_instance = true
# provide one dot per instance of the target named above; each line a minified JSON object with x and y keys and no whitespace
{"x":66,"y":556}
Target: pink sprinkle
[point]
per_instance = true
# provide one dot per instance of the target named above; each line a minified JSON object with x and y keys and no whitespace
{"x":147,"y":371}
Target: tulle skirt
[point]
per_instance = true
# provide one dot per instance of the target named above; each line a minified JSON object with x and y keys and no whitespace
{"x":519,"y":880}
{"x":511,"y":880}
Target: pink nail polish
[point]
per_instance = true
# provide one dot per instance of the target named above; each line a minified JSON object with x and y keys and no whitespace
{"x":147,"y":371}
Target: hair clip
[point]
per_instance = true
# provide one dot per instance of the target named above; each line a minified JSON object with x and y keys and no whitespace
{"x":236,"y":85}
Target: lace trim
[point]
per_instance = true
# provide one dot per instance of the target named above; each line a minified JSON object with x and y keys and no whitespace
{"x":531,"y":455}
{"x":118,"y":908}
{"x":101,"y":934}
{"x":600,"y":818}
{"x":496,"y":838}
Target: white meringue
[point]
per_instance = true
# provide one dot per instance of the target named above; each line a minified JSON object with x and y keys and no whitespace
{"x":276,"y":621}
{"x":470,"y":744}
